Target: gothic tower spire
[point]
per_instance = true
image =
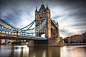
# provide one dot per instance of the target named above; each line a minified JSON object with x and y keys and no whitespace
{"x":36,"y":9}
{"x":47,"y":7}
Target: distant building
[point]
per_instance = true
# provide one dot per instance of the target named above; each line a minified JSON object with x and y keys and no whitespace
{"x":76,"y":38}
{"x":84,"y":35}
{"x":67,"y":39}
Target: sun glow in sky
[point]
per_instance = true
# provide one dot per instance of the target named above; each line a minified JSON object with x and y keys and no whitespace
{"x":71,"y":15}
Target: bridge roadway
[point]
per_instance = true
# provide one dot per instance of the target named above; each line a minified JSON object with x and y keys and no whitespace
{"x":14,"y":37}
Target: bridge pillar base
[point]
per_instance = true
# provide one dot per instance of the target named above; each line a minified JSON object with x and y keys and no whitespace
{"x":49,"y":42}
{"x":55,"y":42}
{"x":38,"y":43}
{"x":31,"y":43}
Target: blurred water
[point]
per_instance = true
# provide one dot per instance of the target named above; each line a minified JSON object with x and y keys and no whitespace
{"x":25,"y":51}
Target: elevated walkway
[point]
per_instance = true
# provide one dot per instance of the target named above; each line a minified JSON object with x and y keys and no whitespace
{"x":14,"y":36}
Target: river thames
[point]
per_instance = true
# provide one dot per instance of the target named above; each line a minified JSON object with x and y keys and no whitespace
{"x":25,"y":51}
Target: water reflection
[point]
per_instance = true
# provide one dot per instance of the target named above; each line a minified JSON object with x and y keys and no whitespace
{"x":24,"y":51}
{"x":73,"y":51}
{"x":44,"y":51}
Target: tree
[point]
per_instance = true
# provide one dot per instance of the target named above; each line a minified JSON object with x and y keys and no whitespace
{"x":66,"y":41}
{"x":9,"y":42}
{"x":84,"y":40}
{"x":27,"y":40}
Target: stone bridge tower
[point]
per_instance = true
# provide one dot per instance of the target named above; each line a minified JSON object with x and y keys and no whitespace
{"x":50,"y":30}
{"x":40,"y":17}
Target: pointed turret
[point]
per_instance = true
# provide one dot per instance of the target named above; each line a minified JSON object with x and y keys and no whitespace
{"x":43,"y":7}
{"x":47,"y":9}
{"x":36,"y":13}
{"x":57,"y":24}
{"x":36,"y":9}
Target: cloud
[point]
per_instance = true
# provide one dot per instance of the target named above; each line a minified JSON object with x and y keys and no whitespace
{"x":25,"y":19}
{"x":63,"y":35}
{"x":71,"y":19}
{"x":71,"y":15}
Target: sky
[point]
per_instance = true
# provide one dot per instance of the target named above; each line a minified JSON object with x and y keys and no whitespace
{"x":70,"y":14}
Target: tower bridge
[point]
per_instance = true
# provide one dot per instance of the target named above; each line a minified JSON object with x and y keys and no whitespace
{"x":43,"y":25}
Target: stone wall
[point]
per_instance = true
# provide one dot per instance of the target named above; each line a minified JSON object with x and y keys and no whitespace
{"x":52,"y":41}
{"x":40,"y":42}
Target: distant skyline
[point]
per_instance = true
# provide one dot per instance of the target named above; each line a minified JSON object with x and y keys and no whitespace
{"x":70,"y":14}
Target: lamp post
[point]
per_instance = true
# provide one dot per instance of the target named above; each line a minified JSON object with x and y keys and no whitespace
{"x":17,"y":33}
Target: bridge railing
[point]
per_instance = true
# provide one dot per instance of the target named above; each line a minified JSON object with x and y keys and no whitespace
{"x":11,"y":33}
{"x":14,"y":34}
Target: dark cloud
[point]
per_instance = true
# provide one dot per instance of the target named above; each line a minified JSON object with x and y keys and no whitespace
{"x":13,"y":11}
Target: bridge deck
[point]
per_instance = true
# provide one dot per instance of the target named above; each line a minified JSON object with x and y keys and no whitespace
{"x":29,"y":37}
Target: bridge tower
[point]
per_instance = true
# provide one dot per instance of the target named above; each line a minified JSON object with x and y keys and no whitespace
{"x":50,"y":29}
{"x":40,"y":17}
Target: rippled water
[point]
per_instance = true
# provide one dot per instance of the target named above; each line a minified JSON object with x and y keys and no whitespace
{"x":24,"y":51}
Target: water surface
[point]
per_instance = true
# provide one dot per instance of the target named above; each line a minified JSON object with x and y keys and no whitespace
{"x":25,"y":51}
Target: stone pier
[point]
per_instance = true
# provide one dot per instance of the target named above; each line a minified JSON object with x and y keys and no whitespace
{"x":49,"y":42}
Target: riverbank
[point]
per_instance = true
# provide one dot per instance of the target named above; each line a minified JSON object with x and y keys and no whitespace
{"x":76,"y":43}
{"x":23,"y":43}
